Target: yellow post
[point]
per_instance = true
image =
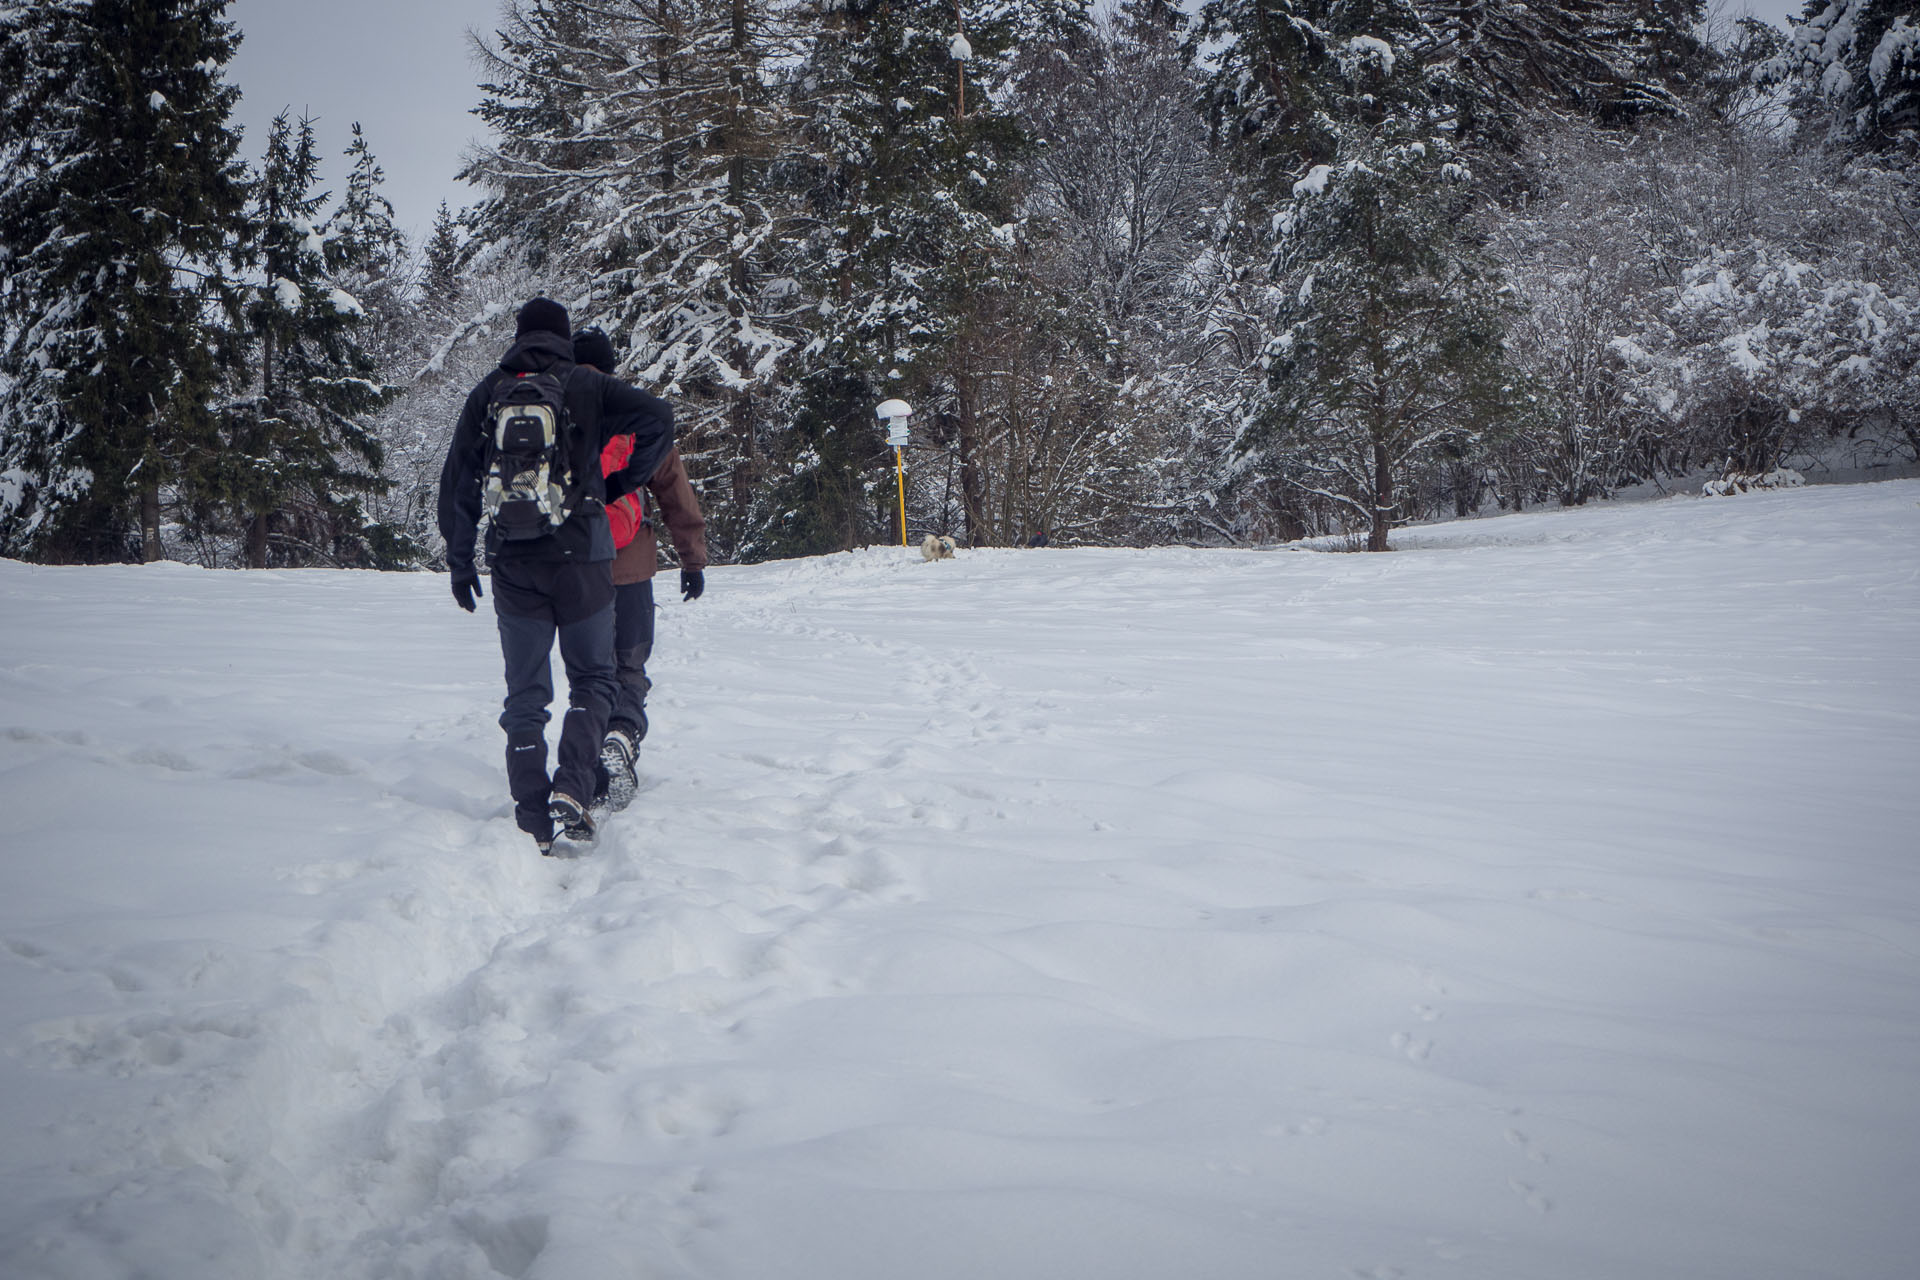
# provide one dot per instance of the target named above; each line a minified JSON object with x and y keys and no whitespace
{"x":900,"y":476}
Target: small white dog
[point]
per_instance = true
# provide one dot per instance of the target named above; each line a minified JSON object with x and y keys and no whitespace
{"x":938,"y":546}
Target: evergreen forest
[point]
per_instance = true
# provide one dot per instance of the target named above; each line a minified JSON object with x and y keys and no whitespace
{"x":1225,"y":273}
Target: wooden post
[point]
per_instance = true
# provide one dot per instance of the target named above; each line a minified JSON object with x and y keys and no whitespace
{"x":959,"y":67}
{"x":900,"y":478}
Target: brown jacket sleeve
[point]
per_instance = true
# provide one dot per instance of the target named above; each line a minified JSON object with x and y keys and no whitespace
{"x":680,"y":510}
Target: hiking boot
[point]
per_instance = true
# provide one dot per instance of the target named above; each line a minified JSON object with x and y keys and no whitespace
{"x":617,"y":755}
{"x":570,"y":818}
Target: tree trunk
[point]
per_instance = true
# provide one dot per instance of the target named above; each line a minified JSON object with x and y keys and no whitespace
{"x":257,"y":541}
{"x":973,"y":481}
{"x":150,"y":521}
{"x":1382,"y":498}
{"x":1466,"y":489}
{"x":741,"y":414}
{"x":663,"y":72}
{"x":257,"y":520}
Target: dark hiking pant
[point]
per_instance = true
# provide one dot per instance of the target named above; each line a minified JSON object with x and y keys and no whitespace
{"x":632,"y":646}
{"x":535,"y":603}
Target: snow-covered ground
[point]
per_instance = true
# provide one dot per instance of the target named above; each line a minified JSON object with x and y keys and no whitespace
{"x":1540,"y":902}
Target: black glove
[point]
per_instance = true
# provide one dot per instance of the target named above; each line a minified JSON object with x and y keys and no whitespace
{"x":692,"y":583}
{"x":466,"y":586}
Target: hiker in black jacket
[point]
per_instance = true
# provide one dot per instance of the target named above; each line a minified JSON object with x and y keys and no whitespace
{"x":560,"y":582}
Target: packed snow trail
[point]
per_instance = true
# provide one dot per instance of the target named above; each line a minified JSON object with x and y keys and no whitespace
{"x":1538,"y":900}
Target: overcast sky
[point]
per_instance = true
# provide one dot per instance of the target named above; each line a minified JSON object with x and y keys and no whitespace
{"x":403,"y":69}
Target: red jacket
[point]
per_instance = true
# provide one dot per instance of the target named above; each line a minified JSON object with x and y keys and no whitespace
{"x":673,"y":498}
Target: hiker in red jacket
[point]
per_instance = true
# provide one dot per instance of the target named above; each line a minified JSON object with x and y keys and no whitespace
{"x":636,"y":557}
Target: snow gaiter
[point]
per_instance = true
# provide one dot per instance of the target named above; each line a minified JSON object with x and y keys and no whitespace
{"x":527,"y":781}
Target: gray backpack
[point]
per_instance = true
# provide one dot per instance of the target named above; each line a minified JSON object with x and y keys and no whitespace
{"x":529,"y":490}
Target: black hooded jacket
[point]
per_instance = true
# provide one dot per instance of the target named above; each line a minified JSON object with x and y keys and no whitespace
{"x":598,"y":407}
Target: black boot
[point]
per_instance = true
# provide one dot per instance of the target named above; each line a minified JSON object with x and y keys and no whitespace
{"x":570,"y":818}
{"x":617,"y":755}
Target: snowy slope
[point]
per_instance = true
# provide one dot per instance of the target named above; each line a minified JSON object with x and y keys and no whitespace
{"x":1540,"y":901}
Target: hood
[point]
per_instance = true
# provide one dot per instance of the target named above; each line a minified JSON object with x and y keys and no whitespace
{"x":537,"y":352}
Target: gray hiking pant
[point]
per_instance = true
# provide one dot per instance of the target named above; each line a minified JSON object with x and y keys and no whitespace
{"x":586,"y":651}
{"x":632,"y":646}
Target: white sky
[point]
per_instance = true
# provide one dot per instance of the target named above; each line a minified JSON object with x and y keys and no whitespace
{"x":403,"y":69}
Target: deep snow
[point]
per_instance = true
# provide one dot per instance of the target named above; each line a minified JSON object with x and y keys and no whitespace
{"x":1542,"y":900}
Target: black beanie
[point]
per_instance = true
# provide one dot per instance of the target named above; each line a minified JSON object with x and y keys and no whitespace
{"x":593,"y":346}
{"x":543,"y":314}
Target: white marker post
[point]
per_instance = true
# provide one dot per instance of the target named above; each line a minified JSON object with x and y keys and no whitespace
{"x":895,"y":414}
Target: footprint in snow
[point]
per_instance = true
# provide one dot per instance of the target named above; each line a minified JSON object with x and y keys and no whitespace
{"x":69,"y":737}
{"x":1533,"y":1153}
{"x":1537,"y":1202}
{"x":1416,"y":1049}
{"x":162,"y":758}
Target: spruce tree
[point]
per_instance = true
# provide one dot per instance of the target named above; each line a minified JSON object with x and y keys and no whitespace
{"x":1857,"y":62}
{"x":1664,"y":57}
{"x":825,"y":493}
{"x":914,"y":214}
{"x":361,"y":238}
{"x":1499,"y":60}
{"x":634,"y":163}
{"x":368,"y":258}
{"x":439,"y":282}
{"x":120,"y":196}
{"x":1387,"y":351}
{"x":550,"y":62}
{"x":1264,"y":95}
{"x":301,"y":450}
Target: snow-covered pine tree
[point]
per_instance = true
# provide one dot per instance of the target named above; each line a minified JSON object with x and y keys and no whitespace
{"x":539,"y":74}
{"x":369,"y":259}
{"x":1859,"y":60}
{"x":119,"y":197}
{"x":694,"y":272}
{"x":1499,"y":62}
{"x":410,"y":299}
{"x":365,"y":251}
{"x":438,"y":353}
{"x":829,"y":473}
{"x":635,"y":159}
{"x":924,"y":189}
{"x":1269,"y":116}
{"x":914,"y":211}
{"x":823,"y":464}
{"x":1263,"y":61}
{"x":1388,"y":348}
{"x":301,"y":453}
{"x":1663,"y":51}
{"x":440,"y":262}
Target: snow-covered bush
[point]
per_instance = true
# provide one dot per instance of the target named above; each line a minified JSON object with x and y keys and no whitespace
{"x":1742,"y":482}
{"x":1700,"y":295}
